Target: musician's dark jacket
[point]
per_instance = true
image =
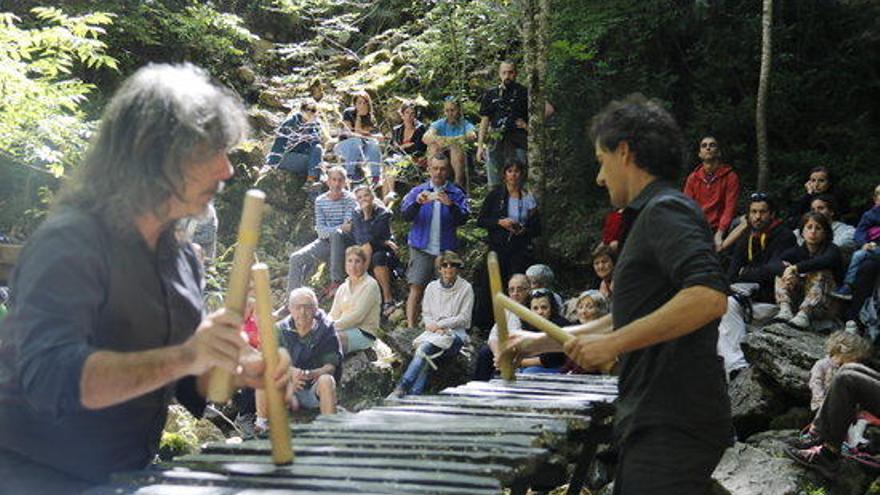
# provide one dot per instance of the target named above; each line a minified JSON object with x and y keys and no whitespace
{"x":678,"y":384}
{"x":80,"y":287}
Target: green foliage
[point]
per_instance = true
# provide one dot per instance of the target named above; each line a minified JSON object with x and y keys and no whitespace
{"x":175,"y":31}
{"x":41,"y":122}
{"x":173,"y":445}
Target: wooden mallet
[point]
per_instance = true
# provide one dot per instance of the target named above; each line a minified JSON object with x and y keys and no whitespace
{"x":220,"y":384}
{"x":527,"y":315}
{"x":279,"y":425}
{"x":507,"y":372}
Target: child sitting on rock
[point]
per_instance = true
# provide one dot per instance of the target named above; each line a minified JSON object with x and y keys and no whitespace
{"x":841,"y":348}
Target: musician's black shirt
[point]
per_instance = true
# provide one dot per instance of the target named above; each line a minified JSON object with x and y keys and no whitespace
{"x":680,"y":383}
{"x":80,"y":287}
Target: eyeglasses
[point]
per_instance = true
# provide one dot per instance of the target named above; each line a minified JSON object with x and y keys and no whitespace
{"x":758,"y":196}
{"x":449,"y":265}
{"x":301,"y":307}
{"x":517,"y":288}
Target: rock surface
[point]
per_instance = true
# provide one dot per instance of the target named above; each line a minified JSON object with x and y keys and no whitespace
{"x":753,"y":403}
{"x":785,"y":356}
{"x":748,"y":470}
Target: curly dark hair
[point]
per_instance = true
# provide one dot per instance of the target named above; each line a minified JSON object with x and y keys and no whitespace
{"x":650,"y":131}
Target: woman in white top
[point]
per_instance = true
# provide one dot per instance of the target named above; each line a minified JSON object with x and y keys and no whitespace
{"x":446,"y":310}
{"x":355,"y":310}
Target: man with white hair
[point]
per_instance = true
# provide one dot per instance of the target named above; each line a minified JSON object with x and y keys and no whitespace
{"x":309,"y":337}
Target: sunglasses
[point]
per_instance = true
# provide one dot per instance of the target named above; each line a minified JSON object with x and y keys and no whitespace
{"x":449,"y":265}
{"x":758,"y":196}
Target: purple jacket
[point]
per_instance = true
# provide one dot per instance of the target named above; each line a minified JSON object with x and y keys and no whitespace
{"x":866,"y":230}
{"x":420,"y":215}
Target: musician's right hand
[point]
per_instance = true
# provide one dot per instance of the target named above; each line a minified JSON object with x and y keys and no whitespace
{"x":216,"y":342}
{"x":520,"y":345}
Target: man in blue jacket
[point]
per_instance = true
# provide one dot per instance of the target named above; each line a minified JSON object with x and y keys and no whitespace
{"x":436,"y":209}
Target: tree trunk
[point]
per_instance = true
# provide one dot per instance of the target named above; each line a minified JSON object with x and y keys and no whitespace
{"x":763,"y":85}
{"x":536,"y":13}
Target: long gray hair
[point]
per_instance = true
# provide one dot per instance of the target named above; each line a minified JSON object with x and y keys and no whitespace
{"x":162,"y":118}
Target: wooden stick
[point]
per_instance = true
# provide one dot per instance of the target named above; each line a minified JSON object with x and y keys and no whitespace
{"x":279,"y":424}
{"x":495,"y":283}
{"x":553,"y":330}
{"x":527,"y":315}
{"x":220,"y":385}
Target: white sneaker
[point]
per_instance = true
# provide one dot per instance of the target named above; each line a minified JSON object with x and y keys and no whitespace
{"x":800,"y":320}
{"x":784,"y":313}
{"x":851,"y":327}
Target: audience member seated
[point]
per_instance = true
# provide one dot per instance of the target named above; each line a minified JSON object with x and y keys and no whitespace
{"x":843,"y":233}
{"x":452,"y":133}
{"x":436,"y":209}
{"x":603,"y":267}
{"x":333,"y":214}
{"x":840,"y":348}
{"x":805,"y":275}
{"x":308,"y":336}
{"x":511,"y":216}
{"x":298,"y":143}
{"x":715,"y":187}
{"x":359,"y":138}
{"x":371,"y":228}
{"x":866,"y":236}
{"x":542,"y":277}
{"x":752,"y":274}
{"x":590,"y":305}
{"x":406,"y":140}
{"x":518,"y":289}
{"x":446,"y":312}
{"x":612,"y":229}
{"x":355,"y":310}
{"x":861,"y":314}
{"x":819,"y":182}
{"x":854,"y":388}
{"x":543,"y":303}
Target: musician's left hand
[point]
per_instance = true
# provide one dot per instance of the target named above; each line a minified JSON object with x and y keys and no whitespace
{"x":253,"y":366}
{"x":591,"y":352}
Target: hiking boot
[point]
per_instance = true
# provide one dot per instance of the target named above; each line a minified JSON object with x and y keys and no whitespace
{"x":818,"y":458}
{"x":784,"y":313}
{"x":843,"y":292}
{"x":800,"y":321}
{"x":851,"y":327}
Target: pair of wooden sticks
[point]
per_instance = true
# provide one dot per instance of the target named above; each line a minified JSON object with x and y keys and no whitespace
{"x":243,"y":268}
{"x":500,"y":302}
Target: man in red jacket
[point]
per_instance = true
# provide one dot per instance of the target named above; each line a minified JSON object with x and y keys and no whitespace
{"x":715,"y":187}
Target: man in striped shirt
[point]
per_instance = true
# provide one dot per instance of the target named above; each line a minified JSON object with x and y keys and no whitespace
{"x":333,"y":211}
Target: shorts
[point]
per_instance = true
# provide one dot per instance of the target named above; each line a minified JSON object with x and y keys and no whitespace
{"x":420,"y":269}
{"x":308,"y":397}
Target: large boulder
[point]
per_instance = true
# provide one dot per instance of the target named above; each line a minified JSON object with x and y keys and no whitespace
{"x":748,"y":470}
{"x":263,"y":120}
{"x":785,"y":355}
{"x":753,"y":402}
{"x":365,"y":380}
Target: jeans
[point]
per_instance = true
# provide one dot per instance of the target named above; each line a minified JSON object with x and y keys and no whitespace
{"x":359,"y":150}
{"x":302,"y":163}
{"x":858,"y":258}
{"x":416,"y":375}
{"x":853,"y":385}
{"x":304,"y":261}
{"x":863,"y":287}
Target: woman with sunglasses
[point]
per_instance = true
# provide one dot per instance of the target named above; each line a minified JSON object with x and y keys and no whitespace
{"x":297,"y":147}
{"x":446,"y":311}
